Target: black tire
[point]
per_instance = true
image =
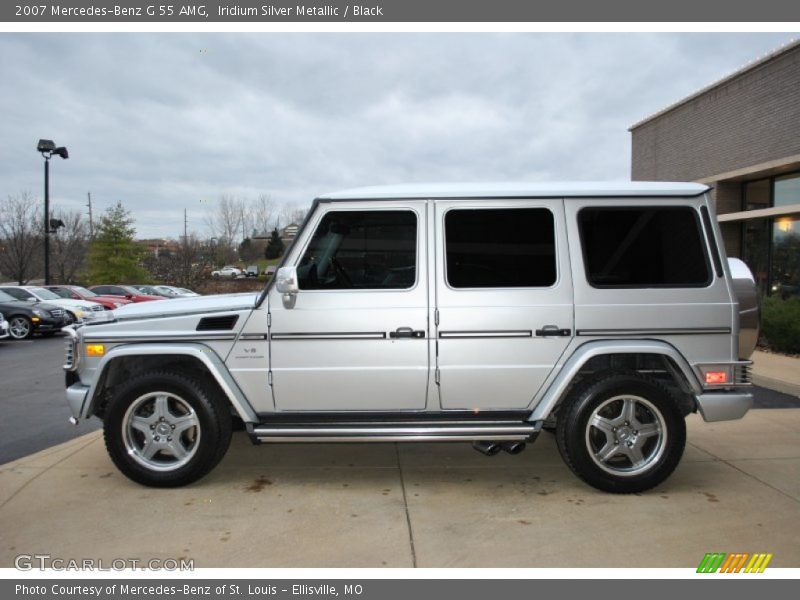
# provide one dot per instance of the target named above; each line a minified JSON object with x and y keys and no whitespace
{"x":640,"y":452}
{"x":20,"y":327}
{"x":209,"y":436}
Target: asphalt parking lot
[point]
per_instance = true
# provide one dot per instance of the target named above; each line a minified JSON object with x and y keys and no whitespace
{"x":396,"y":505}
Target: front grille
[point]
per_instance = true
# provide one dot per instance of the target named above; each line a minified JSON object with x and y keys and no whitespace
{"x":57,"y":312}
{"x":71,"y":352}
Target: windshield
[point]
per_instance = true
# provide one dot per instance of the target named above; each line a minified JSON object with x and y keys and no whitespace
{"x":6,"y":298}
{"x":84,"y":292}
{"x":45,"y":294}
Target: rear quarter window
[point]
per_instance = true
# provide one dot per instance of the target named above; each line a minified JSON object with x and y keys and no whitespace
{"x":643,"y":247}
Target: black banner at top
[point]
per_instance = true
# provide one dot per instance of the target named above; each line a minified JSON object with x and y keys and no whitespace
{"x":392,"y":11}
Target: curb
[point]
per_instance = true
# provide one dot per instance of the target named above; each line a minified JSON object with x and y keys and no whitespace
{"x":778,"y":385}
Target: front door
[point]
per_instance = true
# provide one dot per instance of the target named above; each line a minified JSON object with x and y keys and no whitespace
{"x":356,"y":336}
{"x":503,"y":300}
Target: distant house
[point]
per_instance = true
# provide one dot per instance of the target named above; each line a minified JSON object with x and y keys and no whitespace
{"x":159,"y":247}
{"x":288,"y":233}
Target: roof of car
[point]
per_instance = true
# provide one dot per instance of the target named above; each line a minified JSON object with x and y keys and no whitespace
{"x":583,"y":189}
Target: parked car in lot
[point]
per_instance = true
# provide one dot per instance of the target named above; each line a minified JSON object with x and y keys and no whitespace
{"x":481,"y":313}
{"x":227,"y":271}
{"x":3,"y":327}
{"x":124,"y":291}
{"x":251,"y":271}
{"x":26,"y":318}
{"x":77,"y":292}
{"x":77,"y":310}
{"x":177,"y":292}
{"x":152,"y":290}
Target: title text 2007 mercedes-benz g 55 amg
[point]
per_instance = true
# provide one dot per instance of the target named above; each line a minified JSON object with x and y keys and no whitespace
{"x":477,"y":313}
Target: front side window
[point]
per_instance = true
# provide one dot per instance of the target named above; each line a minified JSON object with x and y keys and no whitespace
{"x":361,"y":250}
{"x":19,"y":294}
{"x":642,"y":247}
{"x":500,"y":248}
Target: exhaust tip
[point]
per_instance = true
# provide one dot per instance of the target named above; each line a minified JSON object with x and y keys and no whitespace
{"x":487,"y":448}
{"x":513,"y":447}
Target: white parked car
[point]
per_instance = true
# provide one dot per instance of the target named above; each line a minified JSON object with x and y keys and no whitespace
{"x":3,"y":327}
{"x":227,"y":271}
{"x":77,"y":310}
{"x":177,"y":292}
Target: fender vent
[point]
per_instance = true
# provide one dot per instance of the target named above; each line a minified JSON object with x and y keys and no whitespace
{"x":225,"y":323}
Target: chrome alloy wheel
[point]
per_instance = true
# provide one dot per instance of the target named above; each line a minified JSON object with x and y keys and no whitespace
{"x":161,"y":431}
{"x":626,"y":435}
{"x":19,"y":328}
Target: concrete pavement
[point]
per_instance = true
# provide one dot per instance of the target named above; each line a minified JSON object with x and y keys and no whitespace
{"x":777,"y":372}
{"x":428,"y":505}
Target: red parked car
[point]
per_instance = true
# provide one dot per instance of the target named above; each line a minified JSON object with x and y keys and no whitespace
{"x":76,"y":292}
{"x":123,"y":291}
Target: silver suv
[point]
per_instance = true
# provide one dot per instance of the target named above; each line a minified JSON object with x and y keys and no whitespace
{"x":604,"y":313}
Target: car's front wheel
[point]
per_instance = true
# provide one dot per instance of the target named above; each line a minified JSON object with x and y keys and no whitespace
{"x":165,"y":429}
{"x":621,"y":432}
{"x":20,"y":328}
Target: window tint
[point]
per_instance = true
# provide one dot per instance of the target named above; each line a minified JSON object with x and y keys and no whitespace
{"x":643,"y":247}
{"x":361,"y":250}
{"x":19,"y":294}
{"x":500,"y":248}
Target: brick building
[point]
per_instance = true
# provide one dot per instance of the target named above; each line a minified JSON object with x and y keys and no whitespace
{"x":740,"y":135}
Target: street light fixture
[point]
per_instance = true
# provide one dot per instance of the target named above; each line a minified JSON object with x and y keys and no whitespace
{"x":48,"y":149}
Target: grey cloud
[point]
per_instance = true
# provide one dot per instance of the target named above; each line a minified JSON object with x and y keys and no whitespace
{"x":165,"y":121}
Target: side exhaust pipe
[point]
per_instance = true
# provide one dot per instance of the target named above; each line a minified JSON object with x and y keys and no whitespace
{"x":513,"y":447}
{"x":487,"y":448}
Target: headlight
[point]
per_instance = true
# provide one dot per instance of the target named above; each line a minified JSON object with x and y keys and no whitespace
{"x":40,"y":313}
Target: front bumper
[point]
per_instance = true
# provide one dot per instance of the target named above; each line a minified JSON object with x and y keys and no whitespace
{"x":76,"y":396}
{"x":724,"y":406}
{"x":45,"y":324}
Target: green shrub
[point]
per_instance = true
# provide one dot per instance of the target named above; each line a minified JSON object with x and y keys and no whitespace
{"x":780,"y":324}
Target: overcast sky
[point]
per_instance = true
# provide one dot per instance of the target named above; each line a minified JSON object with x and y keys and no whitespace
{"x":164,"y":122}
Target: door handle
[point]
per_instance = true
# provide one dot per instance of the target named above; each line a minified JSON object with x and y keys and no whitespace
{"x":553,"y":331}
{"x":406,"y":332}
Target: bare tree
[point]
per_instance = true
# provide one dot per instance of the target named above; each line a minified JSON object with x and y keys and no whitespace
{"x":262,"y":213}
{"x":225,"y":220}
{"x":20,"y":237}
{"x":293,"y":213}
{"x":68,"y":245}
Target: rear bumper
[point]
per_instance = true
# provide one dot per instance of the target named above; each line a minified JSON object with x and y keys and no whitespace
{"x":724,"y":406}
{"x":76,"y":396}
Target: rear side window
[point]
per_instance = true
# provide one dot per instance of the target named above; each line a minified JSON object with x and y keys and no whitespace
{"x":500,"y":248}
{"x":643,"y":247}
{"x":361,"y":250}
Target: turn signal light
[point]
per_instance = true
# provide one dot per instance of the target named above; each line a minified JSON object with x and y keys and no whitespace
{"x":716,"y":377}
{"x":95,"y":350}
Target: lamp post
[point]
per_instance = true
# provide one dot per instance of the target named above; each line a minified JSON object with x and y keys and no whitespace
{"x":48,"y":148}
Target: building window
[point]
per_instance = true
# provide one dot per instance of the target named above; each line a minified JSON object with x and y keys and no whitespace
{"x":786,"y":256}
{"x":772,"y":246}
{"x":787,"y":190}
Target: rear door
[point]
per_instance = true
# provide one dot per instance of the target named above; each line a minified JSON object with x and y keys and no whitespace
{"x":503,"y":297}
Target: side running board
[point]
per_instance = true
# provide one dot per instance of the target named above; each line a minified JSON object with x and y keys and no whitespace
{"x":438,"y":431}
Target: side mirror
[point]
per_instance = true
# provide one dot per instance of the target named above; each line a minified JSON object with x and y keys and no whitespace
{"x":286,"y":280}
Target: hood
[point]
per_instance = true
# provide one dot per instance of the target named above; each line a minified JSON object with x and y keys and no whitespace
{"x":76,"y":303}
{"x":189,"y":305}
{"x":17,"y":304}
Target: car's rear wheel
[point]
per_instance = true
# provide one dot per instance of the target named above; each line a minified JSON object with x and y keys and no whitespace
{"x":621,"y":432}
{"x":20,"y":328}
{"x":164,"y":429}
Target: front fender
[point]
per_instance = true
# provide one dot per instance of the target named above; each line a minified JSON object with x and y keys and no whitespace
{"x":201,"y":352}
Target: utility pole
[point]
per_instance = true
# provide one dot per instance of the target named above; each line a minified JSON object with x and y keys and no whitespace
{"x":91,"y":221}
{"x":185,"y":226}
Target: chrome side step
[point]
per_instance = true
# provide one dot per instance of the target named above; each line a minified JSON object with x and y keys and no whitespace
{"x":452,"y":431}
